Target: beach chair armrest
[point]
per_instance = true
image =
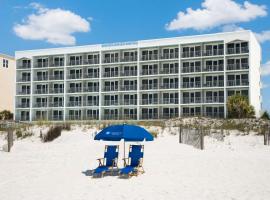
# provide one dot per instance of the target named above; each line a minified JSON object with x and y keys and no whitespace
{"x":100,"y":161}
{"x":126,"y":160}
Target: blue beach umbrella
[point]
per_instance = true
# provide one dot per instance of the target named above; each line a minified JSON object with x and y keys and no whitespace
{"x":128,"y":133}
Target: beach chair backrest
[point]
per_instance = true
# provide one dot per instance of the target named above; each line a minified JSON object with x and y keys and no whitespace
{"x":110,"y":154}
{"x":135,"y":154}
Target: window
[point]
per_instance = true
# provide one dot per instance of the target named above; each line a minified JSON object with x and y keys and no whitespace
{"x":5,"y":63}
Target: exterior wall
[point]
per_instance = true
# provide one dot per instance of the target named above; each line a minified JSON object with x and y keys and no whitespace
{"x":181,"y":91}
{"x":7,"y":83}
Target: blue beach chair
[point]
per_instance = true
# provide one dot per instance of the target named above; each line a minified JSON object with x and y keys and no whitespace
{"x":133,"y":164}
{"x":109,"y":162}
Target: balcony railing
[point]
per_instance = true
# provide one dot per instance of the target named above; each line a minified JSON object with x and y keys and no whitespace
{"x":149,"y":86}
{"x":91,"y":117}
{"x":57,"y":90}
{"x":213,"y":68}
{"x":169,"y":71}
{"x":129,"y":73}
{"x":170,"y":101}
{"x":214,"y":114}
{"x":149,"y":116}
{"x":91,"y":89}
{"x":75,"y":90}
{"x":111,"y":74}
{"x":41,"y":64}
{"x":129,"y":59}
{"x":74,"y":117}
{"x":24,"y":66}
{"x":149,"y":71}
{"x":91,"y":75}
{"x":57,"y":117}
{"x":191,"y":114}
{"x":41,"y":91}
{"x":91,"y":61}
{"x":191,"y":54}
{"x":111,"y":60}
{"x":149,"y":101}
{"x":23,"y":105}
{"x":74,"y":76}
{"x":169,"y":115}
{"x":40,"y":104}
{"x":111,"y":102}
{"x":130,"y":102}
{"x":169,"y":56}
{"x":56,"y":104}
{"x":238,"y":82}
{"x":24,"y":118}
{"x":110,"y":117}
{"x":214,"y":52}
{"x":22,"y":92}
{"x":191,"y":69}
{"x":196,"y":84}
{"x":214,"y":84}
{"x":169,"y":86}
{"x":128,"y":87}
{"x":129,"y":117}
{"x":237,"y":50}
{"x":24,"y":79}
{"x":91,"y":103}
{"x":75,"y":62}
{"x":41,"y":78}
{"x":74,"y":103}
{"x":110,"y":88}
{"x":237,"y":66}
{"x":57,"y":64}
{"x":214,"y":99}
{"x":149,"y":57}
{"x":56,"y":77}
{"x":191,"y":100}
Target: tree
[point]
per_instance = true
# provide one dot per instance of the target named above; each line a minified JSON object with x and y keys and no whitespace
{"x":238,"y":107}
{"x":6,"y":115}
{"x":265,"y":115}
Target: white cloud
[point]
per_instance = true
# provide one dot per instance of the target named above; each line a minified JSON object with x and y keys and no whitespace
{"x":231,"y":27}
{"x":215,"y":13}
{"x":263,"y":36}
{"x":265,"y":70}
{"x":55,"y":26}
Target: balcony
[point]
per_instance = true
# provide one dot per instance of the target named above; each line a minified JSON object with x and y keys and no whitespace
{"x":24,"y":79}
{"x":91,"y":75}
{"x":170,"y":101}
{"x":169,"y":86}
{"x":191,"y":114}
{"x":214,"y":84}
{"x":130,"y":102}
{"x":169,"y":71}
{"x":244,"y":82}
{"x":40,"y":104}
{"x":75,"y":62}
{"x":91,"y":117}
{"x":213,"y":68}
{"x":41,"y":64}
{"x":57,"y":64}
{"x":191,"y":54}
{"x":129,"y":59}
{"x":214,"y":99}
{"x":149,"y":101}
{"x":191,"y":100}
{"x":129,"y":117}
{"x":41,"y":91}
{"x":128,"y":87}
{"x":111,"y":102}
{"x":91,"y":61}
{"x":149,"y":87}
{"x":149,"y":71}
{"x":57,"y":117}
{"x":23,"y":105}
{"x":129,"y":73}
{"x":214,"y":52}
{"x":56,"y":104}
{"x":74,"y":117}
{"x":23,"y":92}
{"x":196,"y":84}
{"x":41,"y":78}
{"x":110,"y":117}
{"x":238,"y":66}
{"x":91,"y":103}
{"x":191,"y":69}
{"x":74,"y":76}
{"x":110,"y":88}
{"x":149,"y":57}
{"x":111,"y":60}
{"x":91,"y":89}
{"x":57,"y":90}
{"x":169,"y":115}
{"x":237,"y":50}
{"x":149,"y":116}
{"x":56,"y":77}
{"x":24,"y":118}
{"x":214,"y":114}
{"x":75,"y":90}
{"x":169,"y":56}
{"x":111,"y":74}
{"x":24,"y":66}
{"x":74,"y":103}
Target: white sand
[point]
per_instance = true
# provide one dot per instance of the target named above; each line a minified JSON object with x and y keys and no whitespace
{"x":238,"y":168}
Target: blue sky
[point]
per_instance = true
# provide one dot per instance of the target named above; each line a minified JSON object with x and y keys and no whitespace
{"x":104,"y":21}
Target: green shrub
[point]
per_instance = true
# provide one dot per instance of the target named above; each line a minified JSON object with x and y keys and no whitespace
{"x":54,"y":132}
{"x":265,"y":115}
{"x":154,"y":133}
{"x":18,"y":133}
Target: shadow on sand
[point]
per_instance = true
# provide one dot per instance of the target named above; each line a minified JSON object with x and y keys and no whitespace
{"x":114,"y":172}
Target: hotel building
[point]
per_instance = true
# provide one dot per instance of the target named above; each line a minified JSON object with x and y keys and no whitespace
{"x":141,"y":80}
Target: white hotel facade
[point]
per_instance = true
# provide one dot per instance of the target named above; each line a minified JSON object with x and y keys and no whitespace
{"x":142,"y":80}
